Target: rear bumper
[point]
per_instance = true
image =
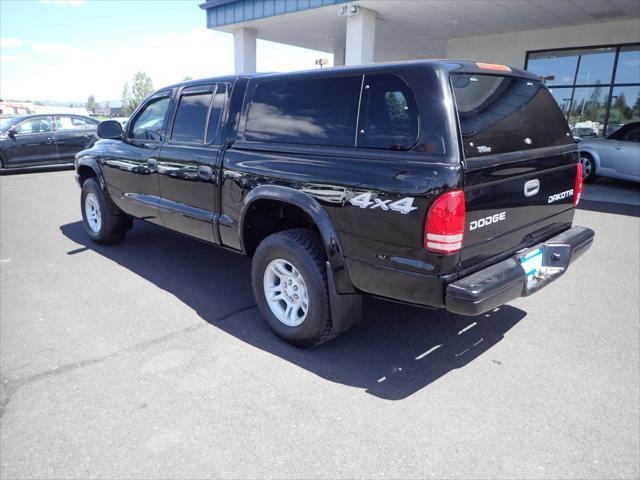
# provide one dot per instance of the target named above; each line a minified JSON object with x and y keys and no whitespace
{"x":500,"y":283}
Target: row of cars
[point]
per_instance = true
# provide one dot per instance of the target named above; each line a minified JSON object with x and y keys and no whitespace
{"x":43,"y":140}
{"x":30,"y":141}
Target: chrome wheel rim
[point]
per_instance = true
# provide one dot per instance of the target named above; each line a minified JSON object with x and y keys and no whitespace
{"x":586,"y":166}
{"x":286,"y":292}
{"x":92,"y":212}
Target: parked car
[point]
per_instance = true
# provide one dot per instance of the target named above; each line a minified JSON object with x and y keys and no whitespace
{"x":443,"y":184}
{"x":615,"y":156}
{"x":44,"y":140}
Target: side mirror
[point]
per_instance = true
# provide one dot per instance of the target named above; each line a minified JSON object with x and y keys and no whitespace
{"x":12,"y":132}
{"x":110,"y":129}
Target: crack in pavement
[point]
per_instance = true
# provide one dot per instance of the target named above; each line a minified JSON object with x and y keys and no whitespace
{"x":9,"y":387}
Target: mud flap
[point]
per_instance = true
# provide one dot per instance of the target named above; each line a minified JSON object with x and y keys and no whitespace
{"x":346,"y":309}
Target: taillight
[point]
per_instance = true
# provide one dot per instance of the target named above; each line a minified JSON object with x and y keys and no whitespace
{"x":578,"y":188}
{"x":444,"y":228}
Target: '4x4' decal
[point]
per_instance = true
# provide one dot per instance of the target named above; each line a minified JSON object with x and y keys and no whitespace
{"x":364,"y":200}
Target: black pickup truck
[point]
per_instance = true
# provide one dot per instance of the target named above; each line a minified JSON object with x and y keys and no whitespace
{"x":448,"y":184}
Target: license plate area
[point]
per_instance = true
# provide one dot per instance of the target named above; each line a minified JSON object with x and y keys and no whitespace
{"x":532,"y":263}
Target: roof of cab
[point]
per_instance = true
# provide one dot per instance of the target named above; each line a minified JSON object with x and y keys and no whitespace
{"x":446,"y":65}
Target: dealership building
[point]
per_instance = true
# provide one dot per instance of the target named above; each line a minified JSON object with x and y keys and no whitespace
{"x":587,"y":51}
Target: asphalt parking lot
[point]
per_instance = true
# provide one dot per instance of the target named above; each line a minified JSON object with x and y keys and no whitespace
{"x":149,"y":360}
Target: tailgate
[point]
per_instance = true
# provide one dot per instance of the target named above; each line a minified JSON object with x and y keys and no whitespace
{"x":513,"y":206}
{"x":520,"y":165}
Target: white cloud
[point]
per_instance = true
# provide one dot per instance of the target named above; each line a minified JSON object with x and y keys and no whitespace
{"x":58,"y":49}
{"x":10,"y":42}
{"x":15,"y":58}
{"x":66,"y":72}
{"x":65,"y":3}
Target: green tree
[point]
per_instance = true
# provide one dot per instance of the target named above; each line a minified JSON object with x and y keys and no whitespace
{"x":636,"y":107}
{"x":396,"y":106}
{"x":594,"y":109}
{"x":141,"y":88}
{"x":187,"y":78}
{"x":127,"y":108}
{"x":626,"y":112}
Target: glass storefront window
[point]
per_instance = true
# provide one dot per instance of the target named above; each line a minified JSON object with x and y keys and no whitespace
{"x":628,"y":70}
{"x":588,"y":110}
{"x":555,"y":68}
{"x":625,"y":105}
{"x":562,"y":97}
{"x":596,"y":66}
{"x":580,"y":81}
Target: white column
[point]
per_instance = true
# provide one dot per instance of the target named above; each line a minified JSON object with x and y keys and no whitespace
{"x":244,"y":46}
{"x":361,"y":34}
{"x":338,"y":57}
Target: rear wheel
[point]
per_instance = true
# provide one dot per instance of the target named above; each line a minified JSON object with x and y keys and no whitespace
{"x":99,"y":222}
{"x":588,"y":167}
{"x":289,"y":281}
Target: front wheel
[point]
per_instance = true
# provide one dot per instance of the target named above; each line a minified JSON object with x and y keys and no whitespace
{"x":289,"y":282}
{"x":98,"y":221}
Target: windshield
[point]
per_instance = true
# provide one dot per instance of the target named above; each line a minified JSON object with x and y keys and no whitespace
{"x":505,"y":114}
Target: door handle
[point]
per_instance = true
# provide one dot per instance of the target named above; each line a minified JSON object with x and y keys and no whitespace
{"x":49,"y":139}
{"x":618,"y":147}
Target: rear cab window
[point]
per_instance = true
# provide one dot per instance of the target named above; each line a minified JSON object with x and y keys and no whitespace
{"x":198,"y":114}
{"x":191,"y":116}
{"x":501,"y":114}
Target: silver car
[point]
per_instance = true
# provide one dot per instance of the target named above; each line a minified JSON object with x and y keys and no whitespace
{"x":615,"y":156}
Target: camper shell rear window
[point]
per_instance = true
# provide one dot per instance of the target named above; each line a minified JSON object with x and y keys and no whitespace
{"x":503,"y":114}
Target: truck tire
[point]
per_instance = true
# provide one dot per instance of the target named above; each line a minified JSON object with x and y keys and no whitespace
{"x":289,"y":282}
{"x":588,"y":167}
{"x":100,"y":223}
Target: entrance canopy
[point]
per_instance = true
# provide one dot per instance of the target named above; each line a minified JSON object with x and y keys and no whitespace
{"x":379,"y":30}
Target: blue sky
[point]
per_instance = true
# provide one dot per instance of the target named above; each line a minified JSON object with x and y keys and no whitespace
{"x":67,"y":49}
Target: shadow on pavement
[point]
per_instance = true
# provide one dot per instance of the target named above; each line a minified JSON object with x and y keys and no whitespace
{"x":395,"y":351}
{"x":610,"y":207}
{"x":608,"y":195}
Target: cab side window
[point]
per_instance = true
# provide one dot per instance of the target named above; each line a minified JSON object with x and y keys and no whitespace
{"x":217,"y":108}
{"x":149,"y":124}
{"x":35,"y":125}
{"x":389,"y":115}
{"x":191,"y":116}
